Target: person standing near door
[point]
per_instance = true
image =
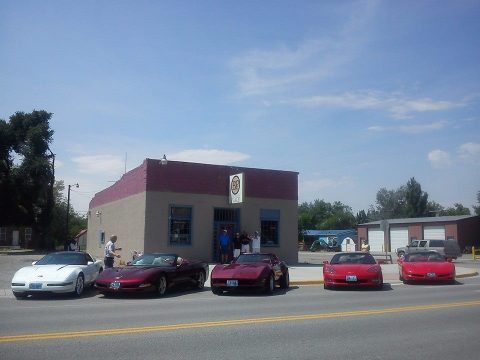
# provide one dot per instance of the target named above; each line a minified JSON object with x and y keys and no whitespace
{"x":225,"y":245}
{"x":237,"y":245}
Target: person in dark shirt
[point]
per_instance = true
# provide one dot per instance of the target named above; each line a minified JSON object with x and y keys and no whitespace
{"x":237,"y":245}
{"x":245,"y":240}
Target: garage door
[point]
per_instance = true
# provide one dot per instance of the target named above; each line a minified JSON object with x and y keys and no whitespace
{"x":434,"y":232}
{"x":398,"y":237}
{"x":376,"y":240}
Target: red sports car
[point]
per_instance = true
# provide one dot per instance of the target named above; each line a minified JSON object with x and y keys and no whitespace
{"x":247,"y":271}
{"x":425,"y":266}
{"x":152,"y":273}
{"x":352,"y":269}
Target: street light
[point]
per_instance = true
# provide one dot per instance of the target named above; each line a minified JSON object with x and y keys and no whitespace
{"x":68,"y":210}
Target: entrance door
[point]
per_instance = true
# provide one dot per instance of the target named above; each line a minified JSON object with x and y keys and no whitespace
{"x":16,"y":238}
{"x":224,"y":219}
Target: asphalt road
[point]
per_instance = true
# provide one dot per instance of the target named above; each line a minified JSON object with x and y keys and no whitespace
{"x":306,"y":322}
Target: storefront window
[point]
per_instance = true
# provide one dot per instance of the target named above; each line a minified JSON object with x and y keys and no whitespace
{"x":180,"y":225}
{"x":269,"y":227}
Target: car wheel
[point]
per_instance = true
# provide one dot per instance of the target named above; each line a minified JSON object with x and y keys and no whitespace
{"x":200,"y":280}
{"x":405,"y":281}
{"x":400,"y":277}
{"x":161,"y":285}
{"x":20,"y":295}
{"x":217,"y":291}
{"x":326,"y":287}
{"x":79,"y":285}
{"x":270,"y":284}
{"x":285,"y":280}
{"x":401,"y":253}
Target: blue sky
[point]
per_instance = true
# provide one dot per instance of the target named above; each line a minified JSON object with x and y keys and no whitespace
{"x":354,"y":95}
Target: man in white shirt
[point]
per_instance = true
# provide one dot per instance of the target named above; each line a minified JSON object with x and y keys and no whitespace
{"x":110,"y":253}
{"x":256,"y":243}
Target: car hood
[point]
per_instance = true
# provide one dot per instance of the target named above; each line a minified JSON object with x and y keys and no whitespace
{"x":352,"y":268}
{"x":128,"y":272}
{"x":429,"y":266}
{"x":239,"y":271}
{"x":46,"y":272}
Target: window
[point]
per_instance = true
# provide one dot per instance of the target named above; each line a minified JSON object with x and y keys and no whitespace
{"x":423,"y":243}
{"x":101,"y":238}
{"x":180,"y":225}
{"x":28,"y":235}
{"x":269,"y":227}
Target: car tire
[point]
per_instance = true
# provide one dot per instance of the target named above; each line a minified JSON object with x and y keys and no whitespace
{"x":20,"y":295}
{"x":285,"y":281}
{"x":200,"y":280}
{"x":217,"y":291}
{"x":326,"y":287}
{"x":401,"y":253}
{"x":79,"y":285}
{"x":161,"y":285}
{"x":270,"y":284}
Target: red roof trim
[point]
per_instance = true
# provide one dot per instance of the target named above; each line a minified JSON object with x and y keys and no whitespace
{"x":184,"y":177}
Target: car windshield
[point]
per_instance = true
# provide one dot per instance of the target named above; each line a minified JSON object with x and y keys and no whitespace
{"x":424,"y":257}
{"x":166,"y":260}
{"x":64,"y":258}
{"x":252,"y":258}
{"x":353,"y":258}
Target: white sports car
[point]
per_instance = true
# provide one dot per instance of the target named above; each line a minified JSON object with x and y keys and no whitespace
{"x":58,"y":272}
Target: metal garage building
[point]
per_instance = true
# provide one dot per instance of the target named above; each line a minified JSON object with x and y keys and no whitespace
{"x":390,"y":234}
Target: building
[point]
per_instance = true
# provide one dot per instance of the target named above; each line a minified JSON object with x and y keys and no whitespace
{"x":388,"y":235}
{"x":180,"y":207}
{"x":16,"y":237}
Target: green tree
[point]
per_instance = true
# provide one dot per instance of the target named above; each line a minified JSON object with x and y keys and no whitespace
{"x":27,"y":172}
{"x":321,"y":215}
{"x":477,"y":208}
{"x":457,"y":209}
{"x":415,"y":199}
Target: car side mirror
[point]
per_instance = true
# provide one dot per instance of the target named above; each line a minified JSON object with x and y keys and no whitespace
{"x":325,"y":262}
{"x":129,"y":263}
{"x":449,"y":259}
{"x":33,"y":263}
{"x":90,"y":263}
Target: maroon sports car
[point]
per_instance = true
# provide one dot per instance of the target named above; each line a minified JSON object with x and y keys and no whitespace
{"x":152,"y":272}
{"x":259,"y":271}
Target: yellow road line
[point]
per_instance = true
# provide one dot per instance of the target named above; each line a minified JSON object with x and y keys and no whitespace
{"x":145,"y":329}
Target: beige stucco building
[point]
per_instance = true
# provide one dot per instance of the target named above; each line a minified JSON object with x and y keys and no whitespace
{"x":180,"y":207}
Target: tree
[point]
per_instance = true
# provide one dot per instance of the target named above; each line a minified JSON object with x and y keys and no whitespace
{"x":457,"y":209}
{"x":361,"y":217}
{"x":415,"y":199}
{"x":477,"y":208}
{"x":26,"y":184}
{"x":390,"y":204}
{"x":322,"y":215}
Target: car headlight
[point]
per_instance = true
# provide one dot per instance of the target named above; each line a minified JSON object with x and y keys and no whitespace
{"x":329,"y":269}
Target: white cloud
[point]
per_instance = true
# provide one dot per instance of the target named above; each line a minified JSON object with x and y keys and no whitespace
{"x":470,"y":150}
{"x":398,"y":106}
{"x":317,"y":185}
{"x":439,"y":158}
{"x":209,"y":156}
{"x":411,"y":129}
{"x":99,"y":164}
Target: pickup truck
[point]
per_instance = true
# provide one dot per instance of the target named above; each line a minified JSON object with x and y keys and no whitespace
{"x":447,"y":248}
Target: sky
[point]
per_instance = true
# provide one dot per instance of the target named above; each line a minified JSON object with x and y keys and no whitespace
{"x":353,"y":95}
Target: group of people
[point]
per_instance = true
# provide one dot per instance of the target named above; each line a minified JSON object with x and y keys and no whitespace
{"x":231,"y":247}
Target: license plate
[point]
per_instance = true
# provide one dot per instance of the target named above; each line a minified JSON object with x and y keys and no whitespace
{"x":431,"y":275}
{"x":232,"y":283}
{"x":35,"y":286}
{"x":115,"y":285}
{"x":351,"y":278}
